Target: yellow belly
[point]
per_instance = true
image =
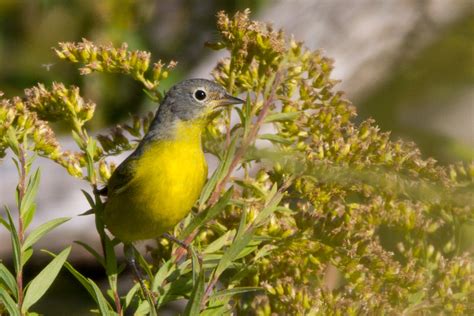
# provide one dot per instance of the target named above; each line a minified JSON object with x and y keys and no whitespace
{"x":168,"y":181}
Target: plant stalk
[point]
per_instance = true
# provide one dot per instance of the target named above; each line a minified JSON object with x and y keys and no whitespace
{"x":21,"y":233}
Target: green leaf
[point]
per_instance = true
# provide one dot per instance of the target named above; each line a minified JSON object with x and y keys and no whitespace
{"x":82,"y":279}
{"x":77,"y":139}
{"x":28,"y":215}
{"x":282,"y":117}
{"x":143,"y":263}
{"x":269,"y":208}
{"x":110,"y":258}
{"x":42,"y":230}
{"x":165,"y":270}
{"x":15,"y":242}
{"x":276,"y":139}
{"x":89,"y":285}
{"x":196,"y":265}
{"x":194,"y":304}
{"x":235,"y":291}
{"x":41,"y":283}
{"x":251,"y":247}
{"x":177,"y":289}
{"x":4,"y":223}
{"x":89,"y":198}
{"x":88,"y":212}
{"x":247,"y":109}
{"x":131,"y":293}
{"x":26,"y":255}
{"x":27,"y":206}
{"x":240,"y":242}
{"x":242,"y":117}
{"x":102,"y":303}
{"x":142,"y":309}
{"x":9,"y":303}
{"x":216,"y":308}
{"x":220,"y":242}
{"x":7,"y":280}
{"x":91,"y":250}
{"x":242,"y":224}
{"x":207,"y":215}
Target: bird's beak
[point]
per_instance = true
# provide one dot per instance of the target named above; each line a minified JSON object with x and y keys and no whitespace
{"x":227,"y":100}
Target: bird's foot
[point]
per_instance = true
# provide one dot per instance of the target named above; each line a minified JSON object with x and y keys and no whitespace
{"x":130,"y":256}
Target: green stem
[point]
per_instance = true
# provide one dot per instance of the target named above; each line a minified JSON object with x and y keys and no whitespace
{"x":21,"y":233}
{"x":91,"y":177}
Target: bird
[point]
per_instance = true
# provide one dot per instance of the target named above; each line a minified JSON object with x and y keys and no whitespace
{"x":156,"y":186}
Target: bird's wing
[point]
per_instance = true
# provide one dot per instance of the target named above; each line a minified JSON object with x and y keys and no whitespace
{"x":122,"y":176}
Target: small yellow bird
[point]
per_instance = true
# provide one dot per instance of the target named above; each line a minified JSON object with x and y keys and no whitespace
{"x":157,"y":185}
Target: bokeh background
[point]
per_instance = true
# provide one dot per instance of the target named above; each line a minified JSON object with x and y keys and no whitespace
{"x":408,"y":64}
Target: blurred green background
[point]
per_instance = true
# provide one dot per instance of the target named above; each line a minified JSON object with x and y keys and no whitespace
{"x":435,"y":75}
{"x":171,"y":30}
{"x":418,"y":90}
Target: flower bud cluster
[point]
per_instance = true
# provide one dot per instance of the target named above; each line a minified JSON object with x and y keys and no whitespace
{"x":106,"y":58}
{"x":365,"y":211}
{"x":20,"y":123}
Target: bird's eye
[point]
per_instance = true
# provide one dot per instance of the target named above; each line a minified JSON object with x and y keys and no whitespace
{"x":200,"y":95}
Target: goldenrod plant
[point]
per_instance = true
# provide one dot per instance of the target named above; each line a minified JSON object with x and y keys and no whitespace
{"x":318,"y":216}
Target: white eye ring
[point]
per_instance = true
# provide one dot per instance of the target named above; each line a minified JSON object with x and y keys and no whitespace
{"x":200,"y":94}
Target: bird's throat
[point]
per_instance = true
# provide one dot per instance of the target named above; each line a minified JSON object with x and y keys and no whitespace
{"x":188,"y":131}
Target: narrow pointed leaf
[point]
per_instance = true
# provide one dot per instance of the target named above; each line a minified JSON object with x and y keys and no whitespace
{"x":233,"y":251}
{"x":89,"y":198}
{"x":234,"y":291}
{"x":276,"y":139}
{"x":99,"y":298}
{"x":82,"y":279}
{"x":42,"y":230}
{"x":92,"y":251}
{"x":143,"y":309}
{"x":110,"y":258}
{"x":131,"y":293}
{"x":41,"y":283}
{"x":15,"y":241}
{"x":193,"y":307}
{"x":220,"y":242}
{"x":9,"y":304}
{"x":282,"y":117}
{"x":143,"y":263}
{"x":26,"y":255}
{"x":7,"y":280}
{"x":27,"y":203}
{"x":269,"y":209}
{"x":165,"y":270}
{"x":28,"y":215}
{"x":5,"y":224}
{"x":207,"y":215}
{"x":88,"y":212}
{"x":196,"y":265}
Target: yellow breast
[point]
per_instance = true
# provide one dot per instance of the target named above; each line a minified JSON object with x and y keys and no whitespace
{"x":169,"y":178}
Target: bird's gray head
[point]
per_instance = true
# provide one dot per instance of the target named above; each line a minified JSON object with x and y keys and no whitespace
{"x":196,"y":99}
